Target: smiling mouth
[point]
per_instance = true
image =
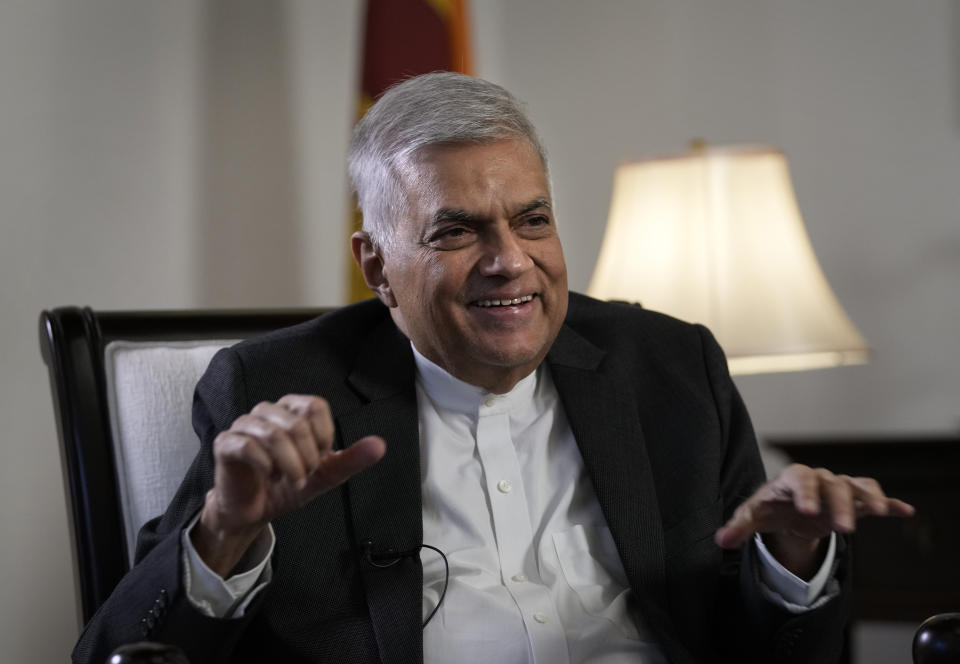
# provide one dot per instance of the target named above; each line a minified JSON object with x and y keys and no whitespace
{"x":523,"y":299}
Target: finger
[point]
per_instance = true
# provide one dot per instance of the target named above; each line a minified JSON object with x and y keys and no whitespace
{"x":803,"y":484}
{"x":869,"y":497}
{"x":778,"y":517}
{"x":874,"y":502}
{"x":837,"y":495}
{"x":897,"y":507}
{"x":795,"y":489}
{"x":296,"y":427}
{"x":339,"y":466}
{"x":300,"y":404}
{"x":752,"y":515}
{"x":232,"y":447}
{"x":275,"y":442}
{"x":317,"y":412}
{"x":728,"y":537}
{"x":741,"y":526}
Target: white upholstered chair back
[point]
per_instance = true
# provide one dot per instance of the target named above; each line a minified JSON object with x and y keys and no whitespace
{"x":122,"y":388}
{"x":150,"y":393}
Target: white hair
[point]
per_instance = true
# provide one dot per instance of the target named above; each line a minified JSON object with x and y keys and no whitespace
{"x":432,"y":109}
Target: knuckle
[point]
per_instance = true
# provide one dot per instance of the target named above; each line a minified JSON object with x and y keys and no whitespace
{"x":241,"y":421}
{"x":245,"y":446}
{"x":221,"y":442}
{"x":232,"y":446}
{"x":826,"y":476}
{"x":261,"y":407}
{"x":274,"y":435}
{"x":799,"y":477}
{"x":319,"y":406}
{"x":299,"y":428}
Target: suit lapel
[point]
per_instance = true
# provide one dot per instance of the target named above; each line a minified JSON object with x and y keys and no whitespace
{"x":602,"y":412}
{"x":384,"y":500}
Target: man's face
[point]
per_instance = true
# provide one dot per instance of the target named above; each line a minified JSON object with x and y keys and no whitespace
{"x":475,"y":269}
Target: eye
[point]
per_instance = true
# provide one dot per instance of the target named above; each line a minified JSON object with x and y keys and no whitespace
{"x":535,"y":226}
{"x":451,"y":237}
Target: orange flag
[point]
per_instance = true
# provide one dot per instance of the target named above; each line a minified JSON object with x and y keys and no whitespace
{"x":403,"y":38}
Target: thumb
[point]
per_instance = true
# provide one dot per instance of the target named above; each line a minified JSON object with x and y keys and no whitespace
{"x":741,"y":526}
{"x":339,"y":466}
{"x":731,"y":536}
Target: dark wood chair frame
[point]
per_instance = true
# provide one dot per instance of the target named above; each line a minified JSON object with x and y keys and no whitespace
{"x":72,"y":343}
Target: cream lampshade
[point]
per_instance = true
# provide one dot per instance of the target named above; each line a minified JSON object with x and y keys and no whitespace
{"x":715,"y":236}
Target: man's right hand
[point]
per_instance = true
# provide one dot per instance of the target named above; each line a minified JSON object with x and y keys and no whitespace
{"x":269,"y":462}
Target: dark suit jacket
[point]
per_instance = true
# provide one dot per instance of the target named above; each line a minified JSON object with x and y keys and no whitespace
{"x":665,"y":440}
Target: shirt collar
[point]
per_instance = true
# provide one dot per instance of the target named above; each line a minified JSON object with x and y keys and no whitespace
{"x":448,"y":391}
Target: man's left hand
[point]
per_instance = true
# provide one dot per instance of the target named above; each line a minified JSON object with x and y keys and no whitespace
{"x":800,"y":507}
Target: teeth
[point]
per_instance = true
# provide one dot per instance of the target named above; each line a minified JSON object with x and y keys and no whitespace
{"x":504,"y":303}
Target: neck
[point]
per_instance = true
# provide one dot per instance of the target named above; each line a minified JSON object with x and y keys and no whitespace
{"x":500,"y":382}
{"x":493,"y":379}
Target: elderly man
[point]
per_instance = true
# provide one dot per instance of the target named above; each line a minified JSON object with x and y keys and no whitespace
{"x":478,"y":466}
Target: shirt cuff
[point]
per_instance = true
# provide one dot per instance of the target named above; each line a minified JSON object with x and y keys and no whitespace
{"x":780,"y":585}
{"x":216,"y":597}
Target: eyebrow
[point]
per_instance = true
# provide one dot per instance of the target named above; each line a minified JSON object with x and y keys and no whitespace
{"x":534,"y":205}
{"x":457,"y":214}
{"x":452,"y":214}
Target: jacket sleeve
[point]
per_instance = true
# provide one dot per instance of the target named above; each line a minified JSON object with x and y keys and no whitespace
{"x":759,"y":630}
{"x":149,"y":603}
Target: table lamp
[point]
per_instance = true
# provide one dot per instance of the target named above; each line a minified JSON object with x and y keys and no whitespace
{"x":715,"y":236}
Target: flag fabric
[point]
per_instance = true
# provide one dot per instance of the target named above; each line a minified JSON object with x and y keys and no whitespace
{"x":403,"y":38}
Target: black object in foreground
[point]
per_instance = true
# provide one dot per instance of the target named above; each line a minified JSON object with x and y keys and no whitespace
{"x":146,"y":652}
{"x":938,"y":640}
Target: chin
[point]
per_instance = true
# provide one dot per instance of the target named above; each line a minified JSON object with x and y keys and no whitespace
{"x":511,"y":357}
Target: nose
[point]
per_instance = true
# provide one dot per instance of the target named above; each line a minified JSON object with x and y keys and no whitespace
{"x":505,"y":255}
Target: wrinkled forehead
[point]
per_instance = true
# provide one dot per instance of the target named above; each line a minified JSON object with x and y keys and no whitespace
{"x":433,"y":169}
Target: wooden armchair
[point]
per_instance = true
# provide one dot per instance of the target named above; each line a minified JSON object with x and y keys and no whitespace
{"x":119,"y":379}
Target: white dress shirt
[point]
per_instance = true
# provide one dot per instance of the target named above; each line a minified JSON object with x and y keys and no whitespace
{"x":534,"y":573}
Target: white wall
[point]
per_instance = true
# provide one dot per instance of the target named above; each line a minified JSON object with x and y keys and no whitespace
{"x":135,"y":137}
{"x":97,"y":199}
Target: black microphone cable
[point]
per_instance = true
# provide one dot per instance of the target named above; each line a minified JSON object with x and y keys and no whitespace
{"x":378,"y":560}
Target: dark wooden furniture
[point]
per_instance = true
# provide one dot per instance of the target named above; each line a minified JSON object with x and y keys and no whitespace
{"x":72,"y":342}
{"x":904,"y":569}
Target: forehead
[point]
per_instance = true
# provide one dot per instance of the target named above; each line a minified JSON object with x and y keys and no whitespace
{"x":505,"y":172}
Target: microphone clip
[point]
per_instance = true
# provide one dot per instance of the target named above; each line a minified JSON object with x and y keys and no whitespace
{"x":384,"y":559}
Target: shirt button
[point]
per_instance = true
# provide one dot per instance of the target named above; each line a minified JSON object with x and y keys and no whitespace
{"x":489,"y":401}
{"x":519,"y":578}
{"x":540,"y":618}
{"x":504,"y":486}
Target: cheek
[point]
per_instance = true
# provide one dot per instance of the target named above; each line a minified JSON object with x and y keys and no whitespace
{"x":446,"y":274}
{"x":553,"y":265}
{"x":430,"y":289}
{"x":409,"y":275}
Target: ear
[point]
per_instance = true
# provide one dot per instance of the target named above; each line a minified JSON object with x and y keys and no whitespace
{"x":370,"y":262}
